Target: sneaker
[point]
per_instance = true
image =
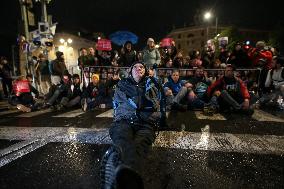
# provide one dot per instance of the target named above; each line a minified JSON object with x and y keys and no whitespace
{"x":23,"y":108}
{"x":110,"y":161}
{"x":127,"y":178}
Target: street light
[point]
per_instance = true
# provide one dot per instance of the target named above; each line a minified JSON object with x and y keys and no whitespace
{"x":207,"y":17}
{"x":66,"y":49}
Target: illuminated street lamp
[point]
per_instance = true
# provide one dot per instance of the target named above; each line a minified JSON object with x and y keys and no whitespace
{"x":69,"y":41}
{"x":61,"y":41}
{"x":65,"y":47}
{"x":207,"y":17}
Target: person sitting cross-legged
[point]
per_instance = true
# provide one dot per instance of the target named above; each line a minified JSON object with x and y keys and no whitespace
{"x":94,"y":94}
{"x":59,"y":95}
{"x":176,"y":90}
{"x":197,"y":95}
{"x":229,"y":93}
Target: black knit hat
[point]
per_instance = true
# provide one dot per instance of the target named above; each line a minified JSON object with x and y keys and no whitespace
{"x":137,"y":62}
{"x":58,"y":54}
{"x":280,"y":60}
{"x":76,"y":76}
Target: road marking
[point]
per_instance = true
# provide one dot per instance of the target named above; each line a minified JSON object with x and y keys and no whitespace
{"x":8,"y":112}
{"x":21,"y":152}
{"x":225,"y":142}
{"x":108,"y":114}
{"x":260,"y":115}
{"x":204,"y":138}
{"x":15,"y":147}
{"x":200,"y":115}
{"x":73,"y":113}
{"x":36,"y":113}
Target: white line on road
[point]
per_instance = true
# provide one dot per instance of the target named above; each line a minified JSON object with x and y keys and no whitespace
{"x":21,"y":152}
{"x":15,"y":147}
{"x":260,"y":115}
{"x":200,"y":115}
{"x":225,"y":142}
{"x":36,"y":113}
{"x":8,"y":112}
{"x":73,"y":113}
{"x":108,"y":114}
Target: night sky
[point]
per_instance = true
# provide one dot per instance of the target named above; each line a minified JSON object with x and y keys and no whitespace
{"x":148,"y":18}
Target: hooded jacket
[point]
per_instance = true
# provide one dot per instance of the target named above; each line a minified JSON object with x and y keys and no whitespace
{"x":137,"y":100}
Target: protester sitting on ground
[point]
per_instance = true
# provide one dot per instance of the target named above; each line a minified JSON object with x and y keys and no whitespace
{"x":136,"y":114}
{"x":229,"y":93}
{"x":76,"y":89}
{"x":176,"y":91}
{"x":197,"y":95}
{"x":22,"y":96}
{"x":59,"y":95}
{"x":275,"y":81}
{"x":94,"y":94}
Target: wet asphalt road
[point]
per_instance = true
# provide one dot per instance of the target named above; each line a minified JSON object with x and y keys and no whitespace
{"x":63,"y":150}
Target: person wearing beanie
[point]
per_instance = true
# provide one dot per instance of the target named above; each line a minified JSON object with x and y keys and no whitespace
{"x":43,"y":74}
{"x":136,"y":104}
{"x":151,"y":56}
{"x":60,"y":94}
{"x":94,"y":94}
{"x":57,"y":68}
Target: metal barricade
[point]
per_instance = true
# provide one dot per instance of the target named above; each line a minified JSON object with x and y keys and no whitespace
{"x":249,"y":76}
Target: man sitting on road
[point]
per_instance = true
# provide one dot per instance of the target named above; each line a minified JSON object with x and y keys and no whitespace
{"x":229,"y":93}
{"x":76,"y":87}
{"x":59,"y":95}
{"x":22,"y":94}
{"x":175,"y":91}
{"x":136,"y":113}
{"x":197,"y":94}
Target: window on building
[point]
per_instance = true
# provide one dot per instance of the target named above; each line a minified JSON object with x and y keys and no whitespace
{"x":179,"y":36}
{"x":202,"y":44}
{"x":190,"y":35}
{"x":179,"y":46}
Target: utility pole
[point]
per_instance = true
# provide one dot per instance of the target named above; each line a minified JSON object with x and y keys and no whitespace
{"x":44,"y":19}
{"x":43,"y":11}
{"x":24,"y":56}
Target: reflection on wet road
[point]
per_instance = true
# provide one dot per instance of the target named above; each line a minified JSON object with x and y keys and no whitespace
{"x":48,"y":149}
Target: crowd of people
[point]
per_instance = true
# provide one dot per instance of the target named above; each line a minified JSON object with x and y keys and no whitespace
{"x":141,"y":94}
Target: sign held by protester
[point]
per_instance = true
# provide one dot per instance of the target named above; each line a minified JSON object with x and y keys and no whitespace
{"x":223,"y":41}
{"x":104,"y":45}
{"x":166,"y":42}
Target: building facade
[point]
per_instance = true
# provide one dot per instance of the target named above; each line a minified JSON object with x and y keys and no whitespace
{"x":195,"y":38}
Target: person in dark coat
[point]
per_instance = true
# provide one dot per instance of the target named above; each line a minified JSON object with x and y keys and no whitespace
{"x":5,"y":74}
{"x":136,"y":112}
{"x":128,"y":55}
